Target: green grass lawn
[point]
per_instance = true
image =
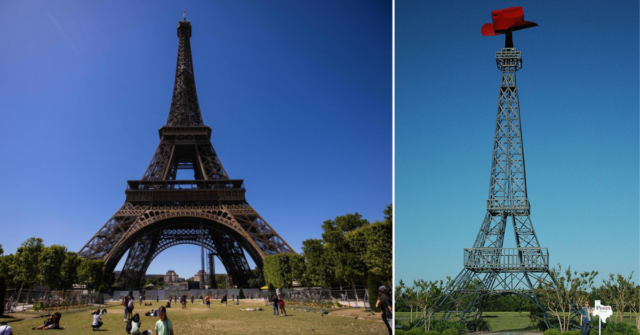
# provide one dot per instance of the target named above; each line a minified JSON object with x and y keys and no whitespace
{"x":222,"y":320}
{"x":512,"y":321}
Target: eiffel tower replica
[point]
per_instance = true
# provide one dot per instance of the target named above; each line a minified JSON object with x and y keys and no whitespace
{"x":160,"y":212}
{"x":489,"y":269}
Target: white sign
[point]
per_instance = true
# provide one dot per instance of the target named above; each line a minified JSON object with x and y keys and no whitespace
{"x":602,"y":311}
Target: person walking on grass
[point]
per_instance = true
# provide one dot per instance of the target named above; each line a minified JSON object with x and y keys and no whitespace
{"x":207,"y":300}
{"x":283,"y":312}
{"x":384,"y":304}
{"x":163,"y":325}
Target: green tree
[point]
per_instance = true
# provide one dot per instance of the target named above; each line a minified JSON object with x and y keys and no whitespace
{"x":257,"y":278}
{"x":221,"y":280}
{"x":91,"y":273}
{"x":388,"y":214}
{"x":570,"y":292}
{"x":26,"y":265}
{"x":634,"y":302}
{"x":318,"y":270}
{"x":428,"y":295}
{"x":69,"y":271}
{"x":51,"y":261}
{"x":345,"y":257}
{"x":617,"y":290}
{"x":3,"y":283}
{"x":282,"y":270}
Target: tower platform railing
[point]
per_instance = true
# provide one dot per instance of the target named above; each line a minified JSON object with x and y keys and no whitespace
{"x":506,"y":259}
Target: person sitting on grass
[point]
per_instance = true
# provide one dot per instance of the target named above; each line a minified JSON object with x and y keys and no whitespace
{"x":164,"y":325}
{"x":135,"y":324}
{"x":53,"y":322}
{"x":96,"y":320}
{"x":168,"y":304}
{"x":6,"y":330}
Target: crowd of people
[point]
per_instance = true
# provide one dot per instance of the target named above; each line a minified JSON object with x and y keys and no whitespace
{"x":164,"y":326}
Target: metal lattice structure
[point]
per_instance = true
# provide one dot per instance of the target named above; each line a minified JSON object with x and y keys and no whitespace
{"x":489,"y":269}
{"x":160,"y":212}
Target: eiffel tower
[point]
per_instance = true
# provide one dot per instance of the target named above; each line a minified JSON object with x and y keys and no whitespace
{"x":489,"y":269}
{"x":160,"y":212}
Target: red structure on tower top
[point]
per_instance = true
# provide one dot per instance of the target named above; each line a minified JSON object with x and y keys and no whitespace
{"x":505,"y":21}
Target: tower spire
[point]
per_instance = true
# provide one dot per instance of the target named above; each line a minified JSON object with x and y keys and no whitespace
{"x":185,"y":110}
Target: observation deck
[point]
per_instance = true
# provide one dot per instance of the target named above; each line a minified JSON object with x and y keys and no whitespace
{"x":186,"y":190}
{"x":506,"y":259}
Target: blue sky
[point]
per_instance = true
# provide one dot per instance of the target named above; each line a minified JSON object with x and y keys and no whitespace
{"x":579,"y":105}
{"x":297,"y":93}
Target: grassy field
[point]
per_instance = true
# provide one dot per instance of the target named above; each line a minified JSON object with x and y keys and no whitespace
{"x":223,"y":320}
{"x":512,"y":321}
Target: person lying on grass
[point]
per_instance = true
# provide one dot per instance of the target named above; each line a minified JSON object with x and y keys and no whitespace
{"x":251,"y":309}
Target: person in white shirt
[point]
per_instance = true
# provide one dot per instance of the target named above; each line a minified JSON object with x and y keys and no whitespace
{"x":5,"y":330}
{"x":96,"y":320}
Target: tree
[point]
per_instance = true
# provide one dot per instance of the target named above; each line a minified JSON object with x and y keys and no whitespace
{"x":26,"y":265}
{"x":282,"y":270}
{"x":318,"y":271}
{"x":3,"y":283}
{"x":428,"y":295}
{"x":257,"y":278}
{"x":51,"y":261}
{"x":617,"y":291}
{"x":565,"y":295}
{"x":634,"y":302}
{"x":91,"y":273}
{"x":345,"y":257}
{"x":221,"y":280}
{"x":377,"y":254}
{"x":69,"y":271}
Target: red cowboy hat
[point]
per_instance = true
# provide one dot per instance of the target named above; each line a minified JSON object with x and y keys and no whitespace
{"x":506,"y":20}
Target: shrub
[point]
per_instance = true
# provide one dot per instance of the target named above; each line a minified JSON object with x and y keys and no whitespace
{"x":450,"y":331}
{"x":400,"y":332}
{"x":480,"y":325}
{"x":373,"y":283}
{"x":432,"y":332}
{"x":415,"y":331}
{"x":618,"y":328}
{"x":552,"y":331}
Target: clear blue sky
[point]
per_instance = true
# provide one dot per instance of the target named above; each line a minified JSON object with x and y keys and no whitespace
{"x":297,"y":93}
{"x":579,"y":107}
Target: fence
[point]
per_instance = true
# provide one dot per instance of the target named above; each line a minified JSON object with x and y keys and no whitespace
{"x":311,"y":296}
{"x":31,"y":300}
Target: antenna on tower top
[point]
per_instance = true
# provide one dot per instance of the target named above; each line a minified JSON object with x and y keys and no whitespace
{"x":184,"y":15}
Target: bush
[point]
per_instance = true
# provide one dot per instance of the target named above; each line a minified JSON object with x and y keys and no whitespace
{"x":415,"y":331}
{"x":3,"y":294}
{"x":551,"y":332}
{"x":572,"y":332}
{"x":373,"y":284}
{"x":441,"y":325}
{"x":432,"y":332}
{"x":450,"y":331}
{"x":400,"y":332}
{"x":480,"y":325}
{"x":618,"y":328}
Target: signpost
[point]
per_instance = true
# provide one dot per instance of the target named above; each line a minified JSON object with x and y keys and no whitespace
{"x":603,"y":312}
